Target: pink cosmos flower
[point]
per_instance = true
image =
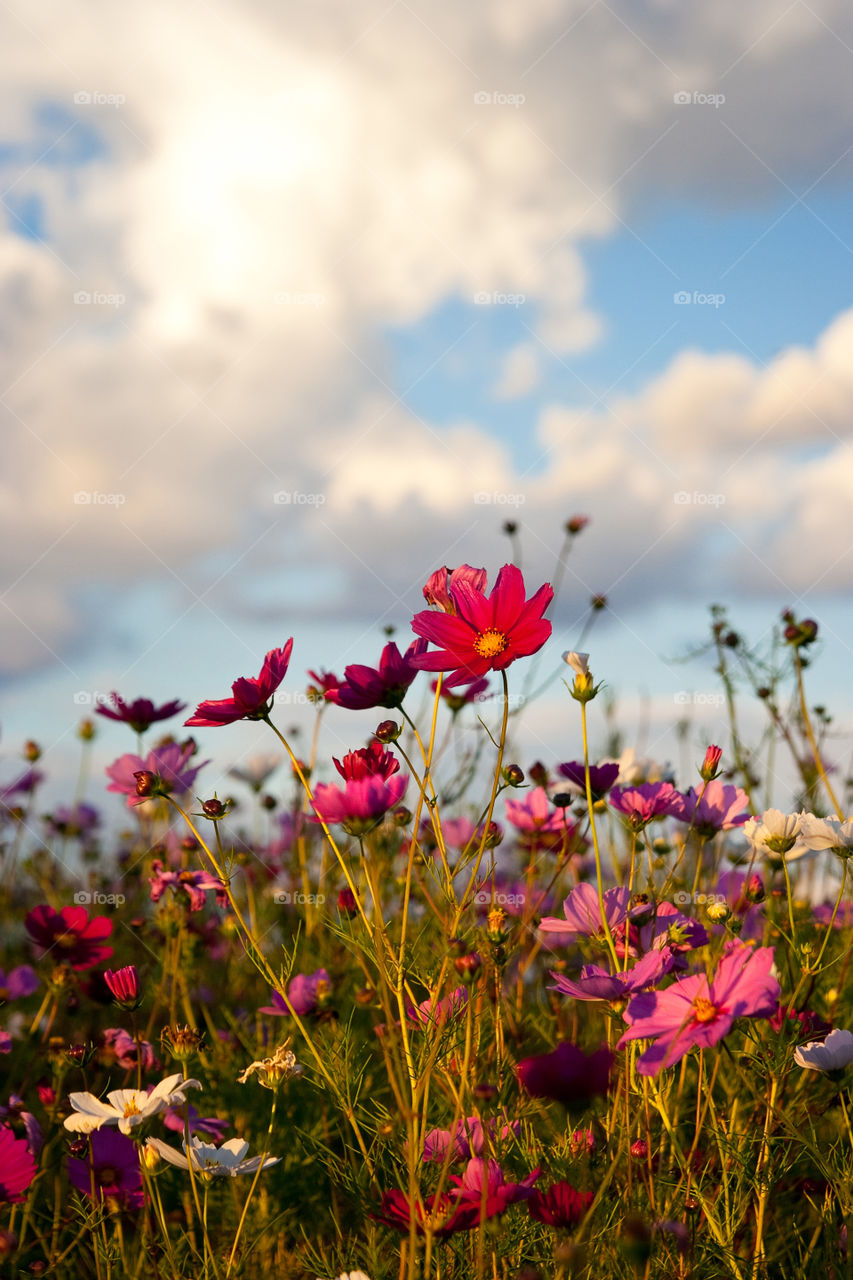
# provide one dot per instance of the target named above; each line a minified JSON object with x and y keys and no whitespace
{"x":177,"y":1118}
{"x":583,"y":912}
{"x":641,"y":804}
{"x":539,"y":821}
{"x":596,"y":983}
{"x":694,"y":1011}
{"x":17,"y":1167}
{"x":386,"y":686}
{"x":139,"y":714}
{"x":361,"y":804}
{"x":193,"y":883}
{"x":484,"y":633}
{"x":251,"y":697}
{"x":120,"y":1046}
{"x":432,"y":1013}
{"x":486,"y":1176}
{"x":112,"y":1167}
{"x":304,"y":993}
{"x":70,"y":935}
{"x":170,"y":765}
{"x":123,"y":985}
{"x":720,"y":808}
{"x":17,"y":983}
{"x":466,"y":1140}
{"x":560,"y":1206}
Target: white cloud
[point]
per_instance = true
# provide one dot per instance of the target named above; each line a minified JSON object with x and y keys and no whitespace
{"x":521,"y":372}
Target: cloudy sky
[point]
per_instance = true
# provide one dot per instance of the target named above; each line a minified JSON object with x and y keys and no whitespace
{"x":299,"y":302}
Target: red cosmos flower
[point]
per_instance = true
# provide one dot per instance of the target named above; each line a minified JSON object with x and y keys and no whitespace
{"x":139,"y":714}
{"x":17,"y":1167}
{"x":251,"y":696}
{"x":370,"y":761}
{"x":385,"y":686}
{"x":484,"y":633}
{"x":124,"y":985}
{"x":559,"y":1206}
{"x":75,"y":938}
{"x":444,"y":1213}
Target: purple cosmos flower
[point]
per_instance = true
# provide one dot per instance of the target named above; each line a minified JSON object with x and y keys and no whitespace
{"x":111,"y":1168}
{"x":585,"y":915}
{"x":843,"y":916}
{"x":177,"y":1118}
{"x":17,"y":1167}
{"x":601,"y":777}
{"x":694,"y":1011}
{"x":596,"y":983}
{"x":386,"y":686}
{"x":193,"y":883}
{"x":28,"y":781}
{"x":720,"y":808}
{"x":18,"y":983}
{"x":170,"y":764}
{"x":361,"y":804}
{"x":641,"y":804}
{"x":567,"y":1074}
{"x":139,"y":714}
{"x":73,"y":820}
{"x":304,"y":993}
{"x":251,"y":696}
{"x":486,"y":1176}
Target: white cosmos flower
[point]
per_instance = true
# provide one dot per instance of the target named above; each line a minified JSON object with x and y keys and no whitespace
{"x":579,"y":662}
{"x":828,"y":833}
{"x":216,"y":1162}
{"x":778,"y":835}
{"x":831,"y":1054}
{"x":126,"y":1107}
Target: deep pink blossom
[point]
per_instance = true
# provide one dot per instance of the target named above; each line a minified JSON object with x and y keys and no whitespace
{"x":111,"y":1169}
{"x":539,"y":821}
{"x":643,"y":803}
{"x":69,"y":935}
{"x":367,"y":762}
{"x":170,"y":765}
{"x":484,"y":633}
{"x":251,"y":696}
{"x":119,"y":1045}
{"x":439,"y":586}
{"x":560,"y":1206}
{"x":585,"y":914}
{"x":567,"y":1074}
{"x":361,"y":804}
{"x":720,"y":808}
{"x":596,"y":983}
{"x":466,"y":1140}
{"x":304,"y":994}
{"x":696,"y":1012}
{"x":386,"y":686}
{"x":483,"y":1184}
{"x":124,"y":985}
{"x":435,"y":1013}
{"x":445,"y":1214}
{"x":17,"y":1167}
{"x":193,"y":883}
{"x":177,"y":1119}
{"x":139,"y":714}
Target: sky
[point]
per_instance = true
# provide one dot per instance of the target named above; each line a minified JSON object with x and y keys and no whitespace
{"x":300,"y":302}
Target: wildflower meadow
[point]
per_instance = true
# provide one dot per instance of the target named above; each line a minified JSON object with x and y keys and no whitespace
{"x":427,"y":1010}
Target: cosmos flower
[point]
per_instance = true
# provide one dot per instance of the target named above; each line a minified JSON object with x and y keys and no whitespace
{"x":112,"y":1166}
{"x":17,"y":1167}
{"x":567,"y":1074}
{"x":170,"y":765}
{"x":446,"y":1214}
{"x":601,"y":777}
{"x":193,"y":883}
{"x":18,"y":983}
{"x":439,"y":586}
{"x":696,"y":1012}
{"x":483,"y":1184}
{"x":642,"y":803}
{"x":210,"y":1161}
{"x":484,"y":633}
{"x":718,"y":808}
{"x":585,"y":914}
{"x":361,"y":804}
{"x":256,"y":770}
{"x":828,"y":833}
{"x":304,"y":993}
{"x":596,"y":983}
{"x":832,"y":1054}
{"x":778,"y":835}
{"x":139,"y":714}
{"x":251,"y":696}
{"x":126,"y":1107}
{"x":124,"y":985}
{"x":435,"y":1013}
{"x":70,"y":935}
{"x":560,"y":1206}
{"x":386,"y":686}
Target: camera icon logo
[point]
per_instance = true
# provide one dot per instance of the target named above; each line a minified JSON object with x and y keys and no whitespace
{"x":482,"y":99}
{"x":82,"y":98}
{"x":682,"y":99}
{"x":82,"y":898}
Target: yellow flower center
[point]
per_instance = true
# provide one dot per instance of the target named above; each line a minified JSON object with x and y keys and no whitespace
{"x":490,"y":643}
{"x":131,"y":1109}
{"x":704,"y":1010}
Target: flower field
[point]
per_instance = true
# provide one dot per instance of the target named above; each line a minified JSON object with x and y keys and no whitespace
{"x":426,"y":1009}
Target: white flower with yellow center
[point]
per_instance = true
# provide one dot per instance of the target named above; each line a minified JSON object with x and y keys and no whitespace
{"x":211,"y":1161}
{"x":126,"y":1107}
{"x":778,"y":835}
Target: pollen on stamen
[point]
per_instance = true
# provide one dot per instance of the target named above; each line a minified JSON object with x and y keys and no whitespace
{"x":704,"y":1010}
{"x":490,"y":643}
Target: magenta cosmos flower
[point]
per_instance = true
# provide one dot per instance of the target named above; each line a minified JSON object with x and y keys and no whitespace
{"x":304,"y":993}
{"x":124,"y":985}
{"x":251,"y":697}
{"x":697,"y":1012}
{"x":585,"y":914}
{"x":560,"y":1206}
{"x":17,"y":1167}
{"x":641,"y":804}
{"x":484,"y":633}
{"x":111,"y":1169}
{"x":70,"y":935}
{"x":596,"y":983}
{"x":718,"y":808}
{"x":445,"y":1214}
{"x":193,"y":883}
{"x":372,"y":787}
{"x":539,"y":822}
{"x":139,"y":714}
{"x":483,"y":1181}
{"x":384,"y":686}
{"x":170,"y":766}
{"x":567,"y":1074}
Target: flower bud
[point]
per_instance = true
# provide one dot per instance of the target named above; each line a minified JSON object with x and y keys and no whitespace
{"x":468,"y":966}
{"x":576,"y":524}
{"x":86,"y":730}
{"x":182,"y":1043}
{"x":146,"y":782}
{"x":214,"y":809}
{"x":346,"y":902}
{"x":32,"y":751}
{"x":708,"y":769}
{"x":514,"y":775}
{"x":538,"y":774}
{"x":388,"y":731}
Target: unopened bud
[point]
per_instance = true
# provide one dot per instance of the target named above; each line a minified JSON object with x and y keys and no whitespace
{"x":388,"y":731}
{"x":32,"y":751}
{"x":710,"y":765}
{"x":146,"y":782}
{"x":514,"y":775}
{"x":214,"y":809}
{"x":86,"y":730}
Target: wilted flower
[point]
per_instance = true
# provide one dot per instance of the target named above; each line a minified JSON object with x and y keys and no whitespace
{"x":272,"y":1071}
